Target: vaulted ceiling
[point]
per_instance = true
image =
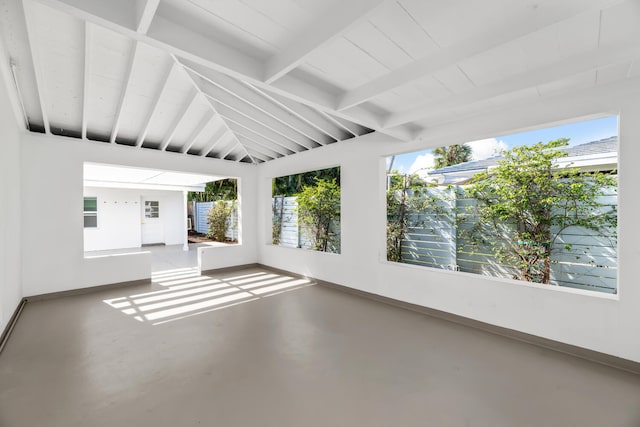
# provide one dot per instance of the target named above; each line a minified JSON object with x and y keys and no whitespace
{"x":254,"y":80}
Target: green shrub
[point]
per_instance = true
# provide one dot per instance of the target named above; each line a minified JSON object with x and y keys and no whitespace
{"x":219,"y":220}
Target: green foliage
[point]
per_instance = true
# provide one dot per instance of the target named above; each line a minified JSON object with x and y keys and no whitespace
{"x":277,"y":206}
{"x":291,"y":185}
{"x":451,"y":155}
{"x":219,"y":220}
{"x":224,"y":189}
{"x":407,"y":200}
{"x":526,"y":201}
{"x":318,"y":209}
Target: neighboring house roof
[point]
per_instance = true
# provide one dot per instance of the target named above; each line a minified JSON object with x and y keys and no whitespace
{"x":594,"y":155}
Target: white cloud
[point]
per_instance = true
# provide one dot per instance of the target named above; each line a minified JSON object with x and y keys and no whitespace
{"x":485,"y":148}
{"x":422,"y":164}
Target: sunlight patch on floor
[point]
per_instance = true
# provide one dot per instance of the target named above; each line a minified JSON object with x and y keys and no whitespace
{"x":190,"y":294}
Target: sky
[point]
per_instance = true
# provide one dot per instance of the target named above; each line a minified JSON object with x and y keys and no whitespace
{"x":579,"y":133}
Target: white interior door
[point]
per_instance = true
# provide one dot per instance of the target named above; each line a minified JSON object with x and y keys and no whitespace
{"x":152,"y":230}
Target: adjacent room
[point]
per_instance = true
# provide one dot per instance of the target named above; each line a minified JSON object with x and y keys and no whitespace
{"x":312,"y":213}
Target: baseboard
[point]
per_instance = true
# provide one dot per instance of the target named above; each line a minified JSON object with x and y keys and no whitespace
{"x":87,"y":290}
{"x":580,"y":352}
{"x":6,"y":333}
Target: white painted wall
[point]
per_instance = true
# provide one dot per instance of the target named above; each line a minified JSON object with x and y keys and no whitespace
{"x":594,"y":321}
{"x":10,"y":220}
{"x":120,"y":215}
{"x":51,"y":173}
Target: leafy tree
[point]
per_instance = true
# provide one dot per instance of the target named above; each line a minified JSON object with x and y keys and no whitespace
{"x":318,"y":209}
{"x":223,"y":189}
{"x":292,"y":184}
{"x":528,"y":200}
{"x":219,"y":220}
{"x":451,"y":155}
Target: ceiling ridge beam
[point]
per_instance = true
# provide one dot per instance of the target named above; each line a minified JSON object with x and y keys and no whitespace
{"x":280,"y":151}
{"x":244,"y":123}
{"x":221,"y":96}
{"x":247,"y":94}
{"x":145,"y":12}
{"x":224,"y":112}
{"x":125,"y":90}
{"x":293,"y":110}
{"x":324,"y":30}
{"x":267,"y":122}
{"x":249,"y":144}
{"x":254,"y":155}
{"x":313,"y":117}
{"x":582,"y":62}
{"x":494,"y":37}
{"x":197,"y":131}
{"x":88,"y":36}
{"x":28,"y":6}
{"x":198,"y":89}
{"x":156,"y":104}
{"x":191,"y":100}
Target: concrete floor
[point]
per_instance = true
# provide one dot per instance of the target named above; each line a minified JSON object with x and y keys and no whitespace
{"x":255,"y":348}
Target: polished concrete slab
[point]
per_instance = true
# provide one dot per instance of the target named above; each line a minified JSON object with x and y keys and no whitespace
{"x":258,"y":348}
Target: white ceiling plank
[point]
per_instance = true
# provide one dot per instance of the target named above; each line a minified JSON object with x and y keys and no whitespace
{"x":187,"y":106}
{"x":196,"y":50}
{"x":88,"y":34}
{"x":493,"y":37}
{"x":255,"y":146}
{"x":221,"y":142}
{"x":325,"y":29}
{"x":242,"y":133}
{"x":196,"y":133}
{"x":35,"y":57}
{"x":145,"y":11}
{"x":301,"y":111}
{"x":592,"y":60}
{"x":163,"y":34}
{"x":125,"y":91}
{"x":258,"y":129}
{"x":258,"y":156}
{"x":156,"y":103}
{"x":222,"y":99}
{"x":215,"y":139}
{"x":338,"y":123}
{"x":232,"y":147}
{"x":262,"y":102}
{"x":313,"y":117}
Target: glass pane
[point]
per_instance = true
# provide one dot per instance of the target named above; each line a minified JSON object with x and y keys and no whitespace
{"x":151,"y":209}
{"x":90,"y":204}
{"x":90,"y":221}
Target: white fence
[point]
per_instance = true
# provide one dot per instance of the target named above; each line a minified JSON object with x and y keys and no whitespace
{"x":292,"y":234}
{"x":581,"y":258}
{"x":201,"y":219}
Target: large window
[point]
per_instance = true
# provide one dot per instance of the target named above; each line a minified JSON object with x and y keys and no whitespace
{"x":306,"y":210}
{"x":90,"y":212}
{"x":512,"y":207}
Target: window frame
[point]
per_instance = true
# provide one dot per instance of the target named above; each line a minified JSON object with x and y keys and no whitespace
{"x":90,"y":213}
